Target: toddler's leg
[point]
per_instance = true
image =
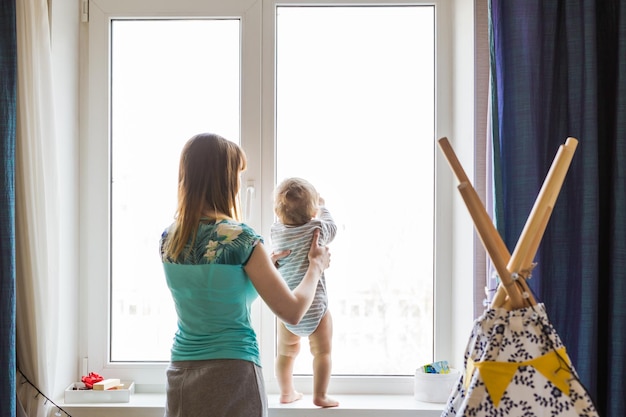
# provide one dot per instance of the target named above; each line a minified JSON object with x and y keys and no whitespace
{"x":288,"y":348}
{"x":321,"y":342}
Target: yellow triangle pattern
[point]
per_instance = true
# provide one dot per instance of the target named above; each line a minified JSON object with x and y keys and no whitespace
{"x":498,"y":375}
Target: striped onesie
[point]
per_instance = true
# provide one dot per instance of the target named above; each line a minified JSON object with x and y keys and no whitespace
{"x":294,"y":266}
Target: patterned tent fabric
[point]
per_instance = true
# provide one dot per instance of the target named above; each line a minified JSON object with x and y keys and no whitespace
{"x":516,"y":365}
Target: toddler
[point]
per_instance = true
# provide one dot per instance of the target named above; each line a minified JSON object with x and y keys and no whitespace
{"x":300,"y":210}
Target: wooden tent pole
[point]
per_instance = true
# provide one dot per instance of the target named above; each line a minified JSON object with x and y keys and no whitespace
{"x":491,"y":241}
{"x":461,"y":176}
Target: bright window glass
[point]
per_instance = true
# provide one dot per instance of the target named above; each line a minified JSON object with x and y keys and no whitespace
{"x":170,"y":79}
{"x":355,"y":116}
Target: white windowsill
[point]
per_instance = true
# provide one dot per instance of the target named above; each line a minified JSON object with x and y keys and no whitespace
{"x":151,"y":405}
{"x":358,"y":405}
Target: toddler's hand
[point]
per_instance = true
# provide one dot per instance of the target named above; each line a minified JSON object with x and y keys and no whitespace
{"x":277,"y":256}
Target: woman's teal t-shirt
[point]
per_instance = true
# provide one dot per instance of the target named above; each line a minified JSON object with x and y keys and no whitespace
{"x":213,"y":294}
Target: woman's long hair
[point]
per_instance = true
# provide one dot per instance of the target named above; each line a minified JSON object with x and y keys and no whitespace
{"x":208,"y":181}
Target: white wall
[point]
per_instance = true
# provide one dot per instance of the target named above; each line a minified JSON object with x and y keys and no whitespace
{"x":65,"y":53}
{"x":462,"y":139}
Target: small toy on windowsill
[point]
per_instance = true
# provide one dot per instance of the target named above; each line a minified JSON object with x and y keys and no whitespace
{"x":440,"y":367}
{"x":107,"y":384}
{"x":91,"y":379}
{"x":98,"y":383}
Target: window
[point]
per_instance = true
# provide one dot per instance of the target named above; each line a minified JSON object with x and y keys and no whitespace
{"x":165,"y":87}
{"x":355,"y":116}
{"x":353,"y":89}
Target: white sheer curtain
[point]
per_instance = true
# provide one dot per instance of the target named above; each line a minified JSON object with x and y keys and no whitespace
{"x":37,"y":210}
{"x":482,"y":156}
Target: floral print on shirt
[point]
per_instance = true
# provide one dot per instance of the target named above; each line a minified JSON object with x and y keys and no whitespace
{"x":225,"y":242}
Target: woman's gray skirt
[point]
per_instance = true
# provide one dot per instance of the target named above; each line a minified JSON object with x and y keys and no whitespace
{"x":215,"y":388}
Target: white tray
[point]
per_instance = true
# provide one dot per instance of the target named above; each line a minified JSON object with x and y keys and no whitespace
{"x":119,"y":395}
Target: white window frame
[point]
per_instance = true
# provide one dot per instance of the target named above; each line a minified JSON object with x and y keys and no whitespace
{"x":257,"y":136}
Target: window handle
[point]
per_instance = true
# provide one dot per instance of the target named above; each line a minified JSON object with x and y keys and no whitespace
{"x":250,"y":194}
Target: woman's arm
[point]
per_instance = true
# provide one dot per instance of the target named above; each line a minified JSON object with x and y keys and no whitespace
{"x":289,"y":306}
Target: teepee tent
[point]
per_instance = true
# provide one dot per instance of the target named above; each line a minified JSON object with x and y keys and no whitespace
{"x":515,"y":363}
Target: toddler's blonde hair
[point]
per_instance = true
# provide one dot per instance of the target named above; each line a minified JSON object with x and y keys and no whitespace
{"x":295,"y":201}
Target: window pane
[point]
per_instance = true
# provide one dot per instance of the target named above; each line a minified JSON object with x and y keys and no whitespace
{"x":355,"y":116}
{"x":170,"y":79}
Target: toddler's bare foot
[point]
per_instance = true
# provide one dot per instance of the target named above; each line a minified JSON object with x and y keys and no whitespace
{"x":324,"y":401}
{"x":291,"y":397}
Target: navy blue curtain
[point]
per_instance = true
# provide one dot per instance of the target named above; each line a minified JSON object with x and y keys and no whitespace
{"x":8,"y":97}
{"x":559,"y":70}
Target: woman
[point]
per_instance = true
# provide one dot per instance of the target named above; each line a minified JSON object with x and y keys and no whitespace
{"x":215,"y":267}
